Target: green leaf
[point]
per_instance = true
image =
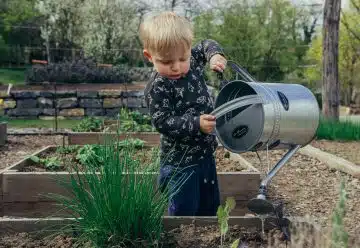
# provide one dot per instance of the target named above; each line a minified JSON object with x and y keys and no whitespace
{"x":220,"y":214}
{"x":230,"y":203}
{"x":35,"y":159}
{"x":224,"y":227}
{"x":235,"y":244}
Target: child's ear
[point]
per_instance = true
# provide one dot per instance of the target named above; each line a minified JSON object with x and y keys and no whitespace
{"x":147,"y":55}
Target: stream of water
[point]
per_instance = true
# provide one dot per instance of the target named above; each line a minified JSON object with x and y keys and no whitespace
{"x":262,"y":218}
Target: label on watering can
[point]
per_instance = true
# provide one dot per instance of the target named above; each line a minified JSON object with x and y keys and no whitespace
{"x":240,"y":131}
{"x":283,"y":99}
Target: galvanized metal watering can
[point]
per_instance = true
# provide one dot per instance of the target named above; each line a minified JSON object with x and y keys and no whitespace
{"x":254,"y":116}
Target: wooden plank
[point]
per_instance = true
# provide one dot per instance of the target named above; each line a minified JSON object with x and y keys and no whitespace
{"x":36,"y":226}
{"x":45,"y":226}
{"x":240,"y":185}
{"x":3,"y":133}
{"x":238,"y":157}
{"x":39,"y":209}
{"x":28,"y":189}
{"x":43,"y":209}
{"x":32,"y":186}
{"x":332,"y":160}
{"x":83,"y":138}
{"x":36,"y":186}
{"x":1,"y":196}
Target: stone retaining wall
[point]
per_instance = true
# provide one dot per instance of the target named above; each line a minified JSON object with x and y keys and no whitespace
{"x":71,"y":102}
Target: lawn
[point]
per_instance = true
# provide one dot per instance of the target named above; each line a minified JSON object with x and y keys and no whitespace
{"x":13,"y":76}
{"x":345,"y":129}
{"x":42,"y":123}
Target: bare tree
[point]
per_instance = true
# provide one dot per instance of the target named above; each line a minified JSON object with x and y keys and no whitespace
{"x":348,"y":18}
{"x":330,"y":75}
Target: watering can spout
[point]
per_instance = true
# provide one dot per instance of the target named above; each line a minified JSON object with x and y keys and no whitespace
{"x":260,"y":205}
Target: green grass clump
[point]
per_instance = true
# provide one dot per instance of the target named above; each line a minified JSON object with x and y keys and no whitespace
{"x":115,"y":205}
{"x":37,"y":123}
{"x":338,"y":130}
{"x":12,"y":76}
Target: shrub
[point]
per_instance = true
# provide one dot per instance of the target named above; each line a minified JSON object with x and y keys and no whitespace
{"x":3,"y":118}
{"x":78,"y":71}
{"x":134,"y":121}
{"x":88,"y":124}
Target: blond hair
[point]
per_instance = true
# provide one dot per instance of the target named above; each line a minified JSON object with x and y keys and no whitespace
{"x":164,"y":32}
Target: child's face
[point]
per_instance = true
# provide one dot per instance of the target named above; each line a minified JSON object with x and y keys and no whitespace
{"x":173,"y":65}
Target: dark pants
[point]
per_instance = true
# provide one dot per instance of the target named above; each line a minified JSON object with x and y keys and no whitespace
{"x":193,"y":190}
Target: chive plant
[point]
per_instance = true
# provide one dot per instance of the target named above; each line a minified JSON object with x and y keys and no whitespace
{"x":114,"y":204}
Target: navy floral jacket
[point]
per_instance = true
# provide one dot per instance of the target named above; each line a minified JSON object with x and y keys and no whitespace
{"x":176,"y":105}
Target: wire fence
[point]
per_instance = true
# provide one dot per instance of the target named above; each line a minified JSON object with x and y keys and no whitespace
{"x":246,"y":48}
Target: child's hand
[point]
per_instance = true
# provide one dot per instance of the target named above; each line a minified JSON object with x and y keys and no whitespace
{"x":217,"y":63}
{"x":207,"y":123}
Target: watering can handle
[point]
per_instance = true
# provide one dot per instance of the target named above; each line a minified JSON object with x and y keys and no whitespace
{"x":239,"y":70}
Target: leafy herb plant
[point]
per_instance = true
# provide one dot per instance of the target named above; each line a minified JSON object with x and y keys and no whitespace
{"x":115,"y":206}
{"x":50,"y":163}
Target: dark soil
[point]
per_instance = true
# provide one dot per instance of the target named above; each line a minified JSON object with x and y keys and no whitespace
{"x":68,"y":160}
{"x":187,"y":236}
{"x":19,"y":147}
{"x":225,"y":164}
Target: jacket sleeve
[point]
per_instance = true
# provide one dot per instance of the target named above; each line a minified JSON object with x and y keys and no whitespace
{"x":159,"y":100}
{"x":205,"y":49}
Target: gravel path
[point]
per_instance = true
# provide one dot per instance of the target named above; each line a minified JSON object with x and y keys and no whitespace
{"x":347,"y":150}
{"x":308,"y":187}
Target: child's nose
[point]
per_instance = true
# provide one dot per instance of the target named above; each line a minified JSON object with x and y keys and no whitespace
{"x":175,"y":66}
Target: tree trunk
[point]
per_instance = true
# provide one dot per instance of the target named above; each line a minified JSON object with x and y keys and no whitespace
{"x":48,"y":51}
{"x":330,"y":75}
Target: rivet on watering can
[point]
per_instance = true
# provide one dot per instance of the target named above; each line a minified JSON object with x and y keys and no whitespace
{"x":205,"y":181}
{"x":212,"y":182}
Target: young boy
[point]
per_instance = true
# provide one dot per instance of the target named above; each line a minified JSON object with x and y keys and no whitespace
{"x":179,"y":104}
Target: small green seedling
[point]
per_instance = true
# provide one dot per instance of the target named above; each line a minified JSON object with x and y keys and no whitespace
{"x":50,"y":163}
{"x":339,"y":234}
{"x":223,"y":217}
{"x":235,"y":244}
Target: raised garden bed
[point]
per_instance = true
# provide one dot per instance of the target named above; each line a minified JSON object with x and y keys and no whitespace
{"x":3,"y":133}
{"x":25,"y":186}
{"x":125,"y":121}
{"x":178,"y":232}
